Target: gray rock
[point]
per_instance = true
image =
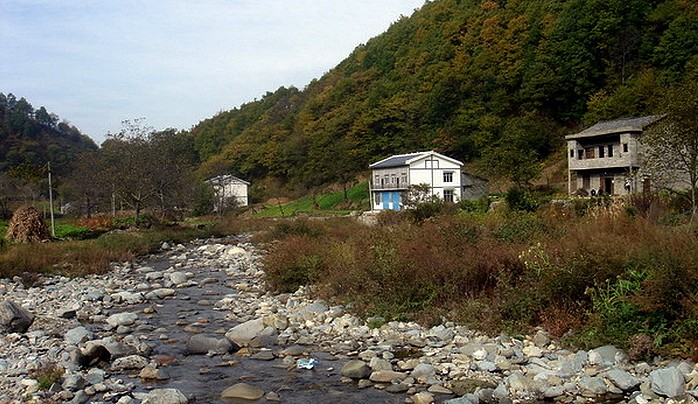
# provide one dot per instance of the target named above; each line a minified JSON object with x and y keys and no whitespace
{"x":377,"y":363}
{"x":311,"y":311}
{"x":130,"y":362}
{"x":243,"y":333}
{"x":242,"y":391}
{"x":124,"y":319}
{"x":95,"y":376}
{"x":592,"y":385}
{"x":386,"y":376}
{"x":622,"y":379}
{"x":605,"y":355}
{"x":165,"y":396}
{"x":541,"y":339}
{"x":128,"y":297}
{"x":153,"y":373}
{"x":178,"y":278}
{"x":423,"y":371}
{"x":200,"y":344}
{"x":78,"y":335}
{"x":14,"y":318}
{"x":423,"y":397}
{"x":667,"y":382}
{"x":73,"y":382}
{"x":356,"y":369}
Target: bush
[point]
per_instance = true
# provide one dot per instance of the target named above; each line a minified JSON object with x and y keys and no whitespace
{"x":601,"y":278}
{"x":521,"y":200}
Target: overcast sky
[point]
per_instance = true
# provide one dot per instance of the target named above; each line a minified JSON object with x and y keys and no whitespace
{"x":96,"y":63}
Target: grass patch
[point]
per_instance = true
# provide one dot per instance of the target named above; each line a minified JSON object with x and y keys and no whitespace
{"x":83,"y":257}
{"x":332,"y":203}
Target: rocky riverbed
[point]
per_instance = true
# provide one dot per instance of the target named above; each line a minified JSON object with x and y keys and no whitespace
{"x":193,"y":323}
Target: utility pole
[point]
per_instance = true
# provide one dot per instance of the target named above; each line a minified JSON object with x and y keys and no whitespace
{"x":50,"y":198}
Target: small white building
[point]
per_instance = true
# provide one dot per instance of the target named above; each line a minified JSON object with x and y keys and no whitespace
{"x":230,"y":191}
{"x":391,"y":177}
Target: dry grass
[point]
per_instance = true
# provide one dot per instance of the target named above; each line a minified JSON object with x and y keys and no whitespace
{"x":604,"y":276}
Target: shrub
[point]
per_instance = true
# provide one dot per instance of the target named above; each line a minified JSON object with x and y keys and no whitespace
{"x":519,"y":199}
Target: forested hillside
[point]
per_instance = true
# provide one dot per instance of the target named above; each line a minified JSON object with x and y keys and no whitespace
{"x":496,"y":82}
{"x":31,"y":138}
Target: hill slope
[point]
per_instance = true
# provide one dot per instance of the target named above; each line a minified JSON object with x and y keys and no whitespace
{"x":35,"y":137}
{"x":499,"y":82}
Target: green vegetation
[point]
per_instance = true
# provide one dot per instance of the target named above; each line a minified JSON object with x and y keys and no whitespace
{"x":492,"y":82}
{"x":332,"y":203}
{"x":593,"y":278}
{"x":92,"y":256}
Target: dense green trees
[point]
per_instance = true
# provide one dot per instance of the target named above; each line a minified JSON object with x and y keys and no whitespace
{"x":492,"y":81}
{"x":35,"y":137}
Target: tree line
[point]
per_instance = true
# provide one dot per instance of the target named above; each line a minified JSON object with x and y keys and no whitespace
{"x":498,"y":83}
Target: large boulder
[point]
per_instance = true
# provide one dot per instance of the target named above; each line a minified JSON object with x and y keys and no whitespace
{"x":14,"y":318}
{"x":242,"y":334}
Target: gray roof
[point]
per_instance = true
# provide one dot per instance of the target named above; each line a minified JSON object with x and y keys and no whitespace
{"x":226,"y":178}
{"x":616,"y":126}
{"x":396,"y":161}
{"x":400,"y":160}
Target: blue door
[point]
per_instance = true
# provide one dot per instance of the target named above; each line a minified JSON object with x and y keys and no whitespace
{"x":386,"y":200}
{"x":396,"y":200}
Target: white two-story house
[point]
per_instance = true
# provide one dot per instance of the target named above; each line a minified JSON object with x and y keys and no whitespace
{"x":391,"y":177}
{"x":229,"y":190}
{"x":607,"y":157}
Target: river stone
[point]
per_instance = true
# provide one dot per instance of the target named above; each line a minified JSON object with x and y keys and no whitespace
{"x":130,"y":362}
{"x":199,"y":344}
{"x":423,"y":397}
{"x":541,"y":339}
{"x":520,"y":383}
{"x":128,"y":297}
{"x":118,"y":319}
{"x":153,"y":373}
{"x":311,"y":311}
{"x":377,"y":363}
{"x":73,"y":382}
{"x":423,"y":371}
{"x":356,"y":369}
{"x":465,"y":386}
{"x":243,"y":333}
{"x":78,"y":335}
{"x":386,"y":376}
{"x":605,"y":355}
{"x":178,"y":278}
{"x":594,"y":386}
{"x":242,"y":391}
{"x":14,"y":318}
{"x":622,"y":379}
{"x":667,"y":382}
{"x":165,"y":396}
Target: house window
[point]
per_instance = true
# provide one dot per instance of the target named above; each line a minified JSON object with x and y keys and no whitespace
{"x":625,"y":147}
{"x":377,"y":180}
{"x":589,"y":153}
{"x":586,"y":181}
{"x":448,"y":195}
{"x":571,"y":153}
{"x":580,"y":154}
{"x":448,"y":177}
{"x":610,"y":150}
{"x":378,"y":198}
{"x":602,"y":150}
{"x":431,"y":164}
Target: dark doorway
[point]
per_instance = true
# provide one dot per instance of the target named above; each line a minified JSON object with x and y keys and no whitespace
{"x":608,"y":185}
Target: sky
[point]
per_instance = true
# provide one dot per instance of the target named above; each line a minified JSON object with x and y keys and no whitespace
{"x":96,"y":63}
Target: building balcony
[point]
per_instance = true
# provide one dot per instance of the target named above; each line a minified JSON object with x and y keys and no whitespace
{"x":389,"y":187}
{"x":602,"y":163}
